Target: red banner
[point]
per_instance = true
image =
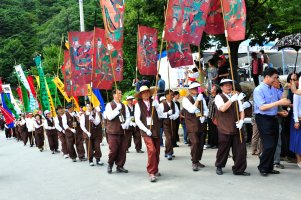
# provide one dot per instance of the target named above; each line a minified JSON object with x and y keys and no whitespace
{"x":31,"y":86}
{"x":179,"y":54}
{"x":102,"y":69}
{"x":185,"y":21}
{"x":147,"y":50}
{"x":235,"y":19}
{"x":19,"y":91}
{"x":7,"y":116}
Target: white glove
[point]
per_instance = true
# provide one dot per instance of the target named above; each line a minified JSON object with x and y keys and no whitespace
{"x":119,"y":107}
{"x":239,"y":124}
{"x":200,"y":97}
{"x":202,"y":119}
{"x":124,"y":126}
{"x":88,"y":134}
{"x":148,"y":132}
{"x":91,"y":118}
{"x":133,"y":124}
{"x":155,"y":103}
{"x":169,"y":112}
{"x":63,"y":131}
{"x":234,"y":98}
{"x":97,"y":108}
{"x":73,"y":130}
{"x":171,"y":117}
{"x":241,"y":96}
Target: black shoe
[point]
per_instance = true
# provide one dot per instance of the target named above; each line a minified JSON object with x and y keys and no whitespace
{"x":52,"y":152}
{"x":83,"y":159}
{"x":263,"y":173}
{"x":242,"y":173}
{"x":219,"y":171}
{"x":175,"y":145}
{"x":57,"y":151}
{"x":274,"y":172}
{"x":140,"y":151}
{"x":200,"y":165}
{"x":74,"y":160}
{"x":109,"y":170}
{"x":195,"y":167}
{"x":121,"y":170}
{"x":279,"y":166}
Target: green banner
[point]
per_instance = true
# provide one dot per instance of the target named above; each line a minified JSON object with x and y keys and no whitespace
{"x":53,"y":92}
{"x":43,"y":92}
{"x":25,"y":99}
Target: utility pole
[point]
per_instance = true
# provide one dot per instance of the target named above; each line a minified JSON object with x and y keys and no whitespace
{"x":81,"y":15}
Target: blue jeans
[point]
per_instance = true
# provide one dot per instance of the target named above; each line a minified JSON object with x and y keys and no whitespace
{"x":184,"y":131}
{"x":278,"y":148}
{"x":161,"y":137}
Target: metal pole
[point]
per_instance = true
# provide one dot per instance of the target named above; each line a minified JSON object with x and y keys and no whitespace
{"x":81,"y":15}
{"x":283,"y":62}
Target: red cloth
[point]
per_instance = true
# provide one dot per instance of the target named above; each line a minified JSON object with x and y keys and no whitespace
{"x":31,"y":85}
{"x":19,"y":91}
{"x":153,"y":154}
{"x":255,"y":66}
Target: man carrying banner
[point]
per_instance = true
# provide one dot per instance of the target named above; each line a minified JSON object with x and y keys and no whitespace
{"x":58,"y":122}
{"x":195,"y":112}
{"x":170,"y":113}
{"x":28,"y":134}
{"x":149,"y":125}
{"x":90,"y":123}
{"x":118,"y":119}
{"x":133,"y":130}
{"x":51,"y":132}
{"x":73,"y":134}
{"x":39,"y":132}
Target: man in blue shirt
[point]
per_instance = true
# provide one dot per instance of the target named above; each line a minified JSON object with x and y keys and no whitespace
{"x":266,"y":102}
{"x":161,"y":85}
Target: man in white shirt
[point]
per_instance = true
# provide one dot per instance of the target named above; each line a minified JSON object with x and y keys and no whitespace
{"x":195,"y":111}
{"x":29,"y":130}
{"x":229,"y":126}
{"x":58,"y":122}
{"x":51,"y":132}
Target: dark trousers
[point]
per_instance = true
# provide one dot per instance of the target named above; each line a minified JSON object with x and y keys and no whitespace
{"x":52,"y":140}
{"x":256,"y":79}
{"x":153,"y":154}
{"x":285,"y":138}
{"x":118,"y":146}
{"x":63,"y":140}
{"x":135,"y":133}
{"x":8,"y":133}
{"x":39,"y":140}
{"x":239,"y":151}
{"x":29,"y":136}
{"x":176,"y":137}
{"x":197,"y":145}
{"x":77,"y":140}
{"x":269,"y":131}
{"x":212,"y":133}
{"x":94,"y":150}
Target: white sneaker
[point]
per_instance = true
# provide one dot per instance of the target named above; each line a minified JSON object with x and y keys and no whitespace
{"x":66,"y":156}
{"x":91,"y":164}
{"x":205,"y":147}
{"x":299,"y":164}
{"x":99,"y":163}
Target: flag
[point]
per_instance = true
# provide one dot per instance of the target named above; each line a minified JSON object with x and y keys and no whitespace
{"x":7,"y":90}
{"x":9,"y":119}
{"x":215,"y":23}
{"x":75,"y":103}
{"x":147,"y":50}
{"x":31,"y":86}
{"x":100,"y":99}
{"x":7,"y":104}
{"x":19,"y":91}
{"x":21,"y":76}
{"x":51,"y":104}
{"x":93,"y":99}
{"x":179,"y":54}
{"x":66,"y":71}
{"x":102,"y":69}
{"x":113,"y":17}
{"x":186,"y":20}
{"x":25,"y":98}
{"x":53,"y":91}
{"x":60,"y":86}
{"x":1,"y":85}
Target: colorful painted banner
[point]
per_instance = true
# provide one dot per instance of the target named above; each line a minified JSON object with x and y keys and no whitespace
{"x":147,"y":50}
{"x":186,"y":20}
{"x":7,"y":104}
{"x":60,"y":86}
{"x":6,"y":89}
{"x":102,"y":69}
{"x":66,"y":71}
{"x":179,"y":54}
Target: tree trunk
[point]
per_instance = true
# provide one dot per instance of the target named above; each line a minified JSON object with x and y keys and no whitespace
{"x":234,"y":58}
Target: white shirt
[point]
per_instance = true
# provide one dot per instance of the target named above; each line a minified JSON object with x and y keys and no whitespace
{"x":111,"y":114}
{"x":219,"y":102}
{"x":191,"y":108}
{"x":36,"y":125}
{"x":57,"y":124}
{"x":297,"y":107}
{"x":164,"y":114}
{"x":46,"y":126}
{"x":138,"y":115}
{"x":83,"y":121}
{"x":29,"y":124}
{"x":64,"y":119}
{"x":22,"y":122}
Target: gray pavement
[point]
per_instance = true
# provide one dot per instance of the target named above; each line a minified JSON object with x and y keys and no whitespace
{"x":26,"y":173}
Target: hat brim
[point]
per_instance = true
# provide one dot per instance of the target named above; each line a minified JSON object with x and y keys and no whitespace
{"x":225,"y":82}
{"x":151,"y":89}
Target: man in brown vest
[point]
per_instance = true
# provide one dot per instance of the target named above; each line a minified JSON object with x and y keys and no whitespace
{"x":228,"y":126}
{"x":169,"y":112}
{"x":91,"y":126}
{"x":195,"y":111}
{"x":39,"y":132}
{"x":147,"y":119}
{"x":73,"y":133}
{"x":118,"y":119}
{"x":133,"y":130}
{"x":51,"y":132}
{"x":58,"y":121}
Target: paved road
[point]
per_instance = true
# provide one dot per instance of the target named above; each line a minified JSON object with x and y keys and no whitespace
{"x":27,"y":174}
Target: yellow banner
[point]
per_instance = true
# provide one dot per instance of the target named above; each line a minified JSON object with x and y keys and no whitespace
{"x":93,"y":99}
{"x":61,"y":87}
{"x":75,"y":104}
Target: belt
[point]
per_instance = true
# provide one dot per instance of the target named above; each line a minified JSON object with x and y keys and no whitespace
{"x":266,"y":116}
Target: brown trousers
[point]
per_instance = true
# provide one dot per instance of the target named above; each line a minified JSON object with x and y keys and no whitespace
{"x":169,"y":132}
{"x":135,"y":133}
{"x":153,"y":154}
{"x":28,"y":136}
{"x":256,"y":141}
{"x":52,"y":139}
{"x":77,"y":140}
{"x":239,"y":151}
{"x":118,"y":146}
{"x":63,"y":140}
{"x":94,"y":150}
{"x":39,"y":139}
{"x":197,"y":145}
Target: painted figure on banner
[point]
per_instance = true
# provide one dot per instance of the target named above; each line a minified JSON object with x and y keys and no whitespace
{"x":147,"y":50}
{"x":186,"y":20}
{"x":179,"y":54}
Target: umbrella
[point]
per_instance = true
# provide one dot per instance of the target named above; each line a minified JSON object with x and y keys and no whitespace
{"x":291,"y":41}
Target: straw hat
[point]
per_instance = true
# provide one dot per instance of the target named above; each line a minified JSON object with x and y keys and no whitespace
{"x":129,"y":97}
{"x":145,"y":88}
